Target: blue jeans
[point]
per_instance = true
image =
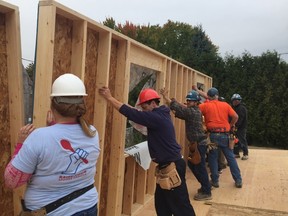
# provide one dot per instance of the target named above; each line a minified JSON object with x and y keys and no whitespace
{"x":222,"y":139}
{"x":199,"y":170}
{"x":88,"y":212}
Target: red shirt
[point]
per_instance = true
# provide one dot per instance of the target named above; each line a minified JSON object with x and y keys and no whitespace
{"x":216,"y":114}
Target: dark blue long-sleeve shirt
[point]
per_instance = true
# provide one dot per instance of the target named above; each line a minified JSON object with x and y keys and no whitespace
{"x":161,"y":138}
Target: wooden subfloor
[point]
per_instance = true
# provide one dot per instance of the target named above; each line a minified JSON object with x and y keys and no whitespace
{"x":265,"y":187}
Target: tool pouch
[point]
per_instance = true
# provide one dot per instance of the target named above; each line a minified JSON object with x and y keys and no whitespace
{"x":167,"y":177}
{"x":194,"y":156}
{"x":231,"y":141}
{"x":39,"y":212}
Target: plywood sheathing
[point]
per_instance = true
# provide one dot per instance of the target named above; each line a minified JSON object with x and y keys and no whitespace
{"x":5,"y":143}
{"x":90,"y":74}
{"x":62,"y":46}
{"x":11,"y":99}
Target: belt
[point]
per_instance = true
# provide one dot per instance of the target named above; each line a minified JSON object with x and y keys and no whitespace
{"x":56,"y":204}
{"x":218,"y":130}
{"x":164,"y":164}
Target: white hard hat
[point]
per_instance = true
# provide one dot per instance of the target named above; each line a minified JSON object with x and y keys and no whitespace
{"x":68,"y":85}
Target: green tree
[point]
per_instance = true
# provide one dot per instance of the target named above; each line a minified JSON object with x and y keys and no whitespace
{"x":30,"y":70}
{"x":262,"y":81}
{"x":180,"y":41}
{"x":110,"y":22}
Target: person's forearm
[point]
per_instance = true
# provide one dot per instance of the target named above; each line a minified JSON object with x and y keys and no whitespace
{"x":234,"y":120}
{"x":115,"y":103}
{"x":15,"y":178}
{"x":202,"y":93}
{"x":167,"y":99}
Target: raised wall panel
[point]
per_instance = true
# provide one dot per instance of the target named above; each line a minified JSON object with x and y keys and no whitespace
{"x":11,"y":100}
{"x":70,"y":42}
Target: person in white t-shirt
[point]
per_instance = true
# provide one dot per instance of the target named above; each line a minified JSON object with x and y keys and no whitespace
{"x":58,"y":162}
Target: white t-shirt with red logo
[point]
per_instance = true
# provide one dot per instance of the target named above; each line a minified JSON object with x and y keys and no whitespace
{"x":62,"y":159}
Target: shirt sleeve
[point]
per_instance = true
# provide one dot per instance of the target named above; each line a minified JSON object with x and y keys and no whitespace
{"x":27,"y":158}
{"x":148,"y":119}
{"x":180,"y":111}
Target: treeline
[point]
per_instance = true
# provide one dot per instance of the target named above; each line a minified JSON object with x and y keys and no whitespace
{"x":262,"y":81}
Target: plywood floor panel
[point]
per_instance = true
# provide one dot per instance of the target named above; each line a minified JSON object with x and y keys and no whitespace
{"x":265,"y":187}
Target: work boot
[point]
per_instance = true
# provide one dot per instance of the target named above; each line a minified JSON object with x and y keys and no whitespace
{"x":245,"y":157}
{"x":237,"y":156}
{"x":238,"y":184}
{"x":202,"y":196}
{"x":199,"y":190}
{"x":214,"y":184}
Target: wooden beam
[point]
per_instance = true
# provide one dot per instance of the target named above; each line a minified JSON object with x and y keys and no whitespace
{"x":146,"y":59}
{"x":128,"y":191}
{"x":79,"y":48}
{"x":44,"y":63}
{"x":184,"y":91}
{"x":179,"y":98}
{"x":104,"y":49}
{"x":173,"y":87}
{"x":15,"y":84}
{"x":168,"y":75}
{"x":117,"y":161}
{"x":151,"y":180}
{"x":141,"y":185}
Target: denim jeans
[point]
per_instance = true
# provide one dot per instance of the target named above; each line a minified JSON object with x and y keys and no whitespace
{"x":222,"y":139}
{"x":88,"y":212}
{"x":199,"y":170}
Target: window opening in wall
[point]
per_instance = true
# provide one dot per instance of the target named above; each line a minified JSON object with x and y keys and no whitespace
{"x":140,"y":78}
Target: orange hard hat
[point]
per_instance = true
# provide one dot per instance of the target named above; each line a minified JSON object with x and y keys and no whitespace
{"x":147,"y":94}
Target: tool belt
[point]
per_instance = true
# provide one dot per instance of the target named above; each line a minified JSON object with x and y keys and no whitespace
{"x":194,"y":156}
{"x":233,"y":141}
{"x":54,"y":205}
{"x":167,"y":177}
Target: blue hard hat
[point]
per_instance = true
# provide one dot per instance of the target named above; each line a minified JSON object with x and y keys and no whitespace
{"x":212,"y":92}
{"x":236,"y":97}
{"x":193,"y":96}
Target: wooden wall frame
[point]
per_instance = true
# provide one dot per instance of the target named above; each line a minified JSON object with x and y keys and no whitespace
{"x":70,"y":42}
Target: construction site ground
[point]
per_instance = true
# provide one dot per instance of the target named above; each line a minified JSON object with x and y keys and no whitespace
{"x":264,"y":191}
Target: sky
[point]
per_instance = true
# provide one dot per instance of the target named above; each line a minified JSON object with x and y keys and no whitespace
{"x":235,"y":26}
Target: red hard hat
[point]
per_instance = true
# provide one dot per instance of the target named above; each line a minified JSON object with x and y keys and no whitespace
{"x":147,"y":94}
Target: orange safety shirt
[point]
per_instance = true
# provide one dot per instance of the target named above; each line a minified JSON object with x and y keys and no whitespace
{"x":216,"y":114}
